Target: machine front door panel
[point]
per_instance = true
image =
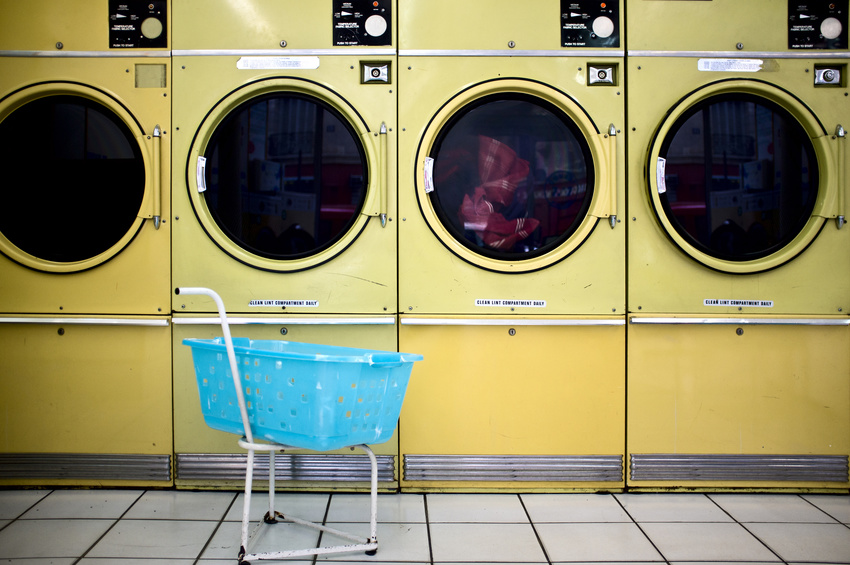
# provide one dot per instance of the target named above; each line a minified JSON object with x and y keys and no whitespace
{"x":284,"y":175}
{"x":512,"y":192}
{"x":737,"y":202}
{"x":200,"y":446}
{"x":83,"y":219}
{"x":78,"y":388}
{"x":503,"y":395}
{"x":737,"y":393}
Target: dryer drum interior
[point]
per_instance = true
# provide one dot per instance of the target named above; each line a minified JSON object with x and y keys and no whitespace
{"x":73,"y":178}
{"x":737,"y":177}
{"x":513,"y":176}
{"x":286,"y":176}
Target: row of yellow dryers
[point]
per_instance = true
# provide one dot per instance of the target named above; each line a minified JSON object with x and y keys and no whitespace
{"x":617,"y":237}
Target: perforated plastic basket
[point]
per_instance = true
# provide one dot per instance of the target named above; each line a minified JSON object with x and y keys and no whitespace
{"x":304,"y":395}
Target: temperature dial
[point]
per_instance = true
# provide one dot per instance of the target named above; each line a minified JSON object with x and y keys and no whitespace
{"x":603,"y":26}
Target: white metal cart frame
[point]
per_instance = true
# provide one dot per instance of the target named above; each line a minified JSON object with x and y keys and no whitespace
{"x":369,"y":545}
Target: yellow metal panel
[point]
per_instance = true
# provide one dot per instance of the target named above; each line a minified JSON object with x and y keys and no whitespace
{"x":362,"y":278}
{"x":662,"y":277}
{"x":738,"y":389}
{"x":435,"y":280}
{"x":38,"y":25}
{"x":191,"y":434}
{"x":513,"y":390}
{"x":136,"y":280}
{"x":684,"y":26}
{"x":448,"y":24}
{"x":70,"y":388}
{"x":255,"y":24}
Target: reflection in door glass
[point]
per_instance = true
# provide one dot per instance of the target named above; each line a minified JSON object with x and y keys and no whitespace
{"x":73,"y":178}
{"x":741,"y":177}
{"x":286,"y":176}
{"x":513,"y":177}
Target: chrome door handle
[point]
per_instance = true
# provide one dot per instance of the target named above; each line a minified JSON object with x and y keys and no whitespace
{"x":157,"y":173}
{"x":612,"y":174}
{"x":384,"y":174}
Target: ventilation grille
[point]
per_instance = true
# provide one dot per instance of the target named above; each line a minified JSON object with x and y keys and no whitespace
{"x":548,"y":468}
{"x":807,"y":468}
{"x":85,"y":466}
{"x":294,"y":467}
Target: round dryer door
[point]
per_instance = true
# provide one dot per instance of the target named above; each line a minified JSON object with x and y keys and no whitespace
{"x":736,"y":176}
{"x":74,"y":177}
{"x":511,"y":174}
{"x":279,"y":175}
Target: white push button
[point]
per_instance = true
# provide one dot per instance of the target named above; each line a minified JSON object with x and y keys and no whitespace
{"x":830,"y":28}
{"x":376,"y":25}
{"x":603,"y":26}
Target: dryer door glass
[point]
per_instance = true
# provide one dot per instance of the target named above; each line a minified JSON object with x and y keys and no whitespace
{"x":740,"y":178}
{"x":286,"y":176}
{"x":512,"y":177}
{"x":73,"y":178}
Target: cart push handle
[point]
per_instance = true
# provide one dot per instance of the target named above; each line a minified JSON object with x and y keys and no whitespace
{"x":231,"y":354}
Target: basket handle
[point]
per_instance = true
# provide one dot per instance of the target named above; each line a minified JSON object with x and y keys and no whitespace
{"x":231,"y":354}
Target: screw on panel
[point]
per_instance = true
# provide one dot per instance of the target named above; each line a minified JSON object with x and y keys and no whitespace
{"x":740,"y":331}
{"x":512,"y":332}
{"x":511,"y":44}
{"x":60,"y":45}
{"x":739,"y":46}
{"x":284,"y":331}
{"x":283,"y":43}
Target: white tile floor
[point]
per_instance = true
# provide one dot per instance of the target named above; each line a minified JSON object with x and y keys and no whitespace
{"x":129,"y":527}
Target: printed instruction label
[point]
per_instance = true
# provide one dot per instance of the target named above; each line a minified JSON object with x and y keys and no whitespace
{"x":730,"y":65}
{"x":429,"y":174}
{"x":276,"y":63}
{"x":748,"y":303}
{"x":510,"y":303}
{"x":280,"y":303}
{"x":661,"y":175}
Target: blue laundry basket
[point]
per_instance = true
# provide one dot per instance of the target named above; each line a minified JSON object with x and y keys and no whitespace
{"x":304,"y":395}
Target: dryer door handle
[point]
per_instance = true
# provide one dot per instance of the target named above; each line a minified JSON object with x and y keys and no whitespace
{"x":157,"y":176}
{"x":606,"y":205}
{"x":384,"y":174}
{"x":841,"y":166}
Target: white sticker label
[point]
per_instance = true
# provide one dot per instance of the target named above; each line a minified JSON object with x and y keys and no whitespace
{"x":275,"y":63}
{"x":748,"y":303}
{"x":730,"y":65}
{"x":201,"y":174}
{"x":510,"y":303}
{"x":279,"y":303}
{"x":429,"y":175}
{"x":660,"y":175}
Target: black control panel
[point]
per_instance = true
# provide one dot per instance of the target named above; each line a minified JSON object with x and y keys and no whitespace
{"x":138,"y":24}
{"x":817,"y":24}
{"x":362,"y":22}
{"x":590,"y":23}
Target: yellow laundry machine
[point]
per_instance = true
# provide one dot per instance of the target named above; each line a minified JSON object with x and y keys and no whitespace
{"x":85,"y":112}
{"x":512,"y":244}
{"x":284,"y":188}
{"x":738,"y":264}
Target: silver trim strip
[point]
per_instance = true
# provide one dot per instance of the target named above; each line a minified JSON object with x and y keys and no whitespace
{"x":506,"y":322}
{"x":302,"y":321}
{"x":85,"y":466}
{"x":288,"y":467}
{"x":340,"y":52}
{"x":514,"y":468}
{"x":509,"y":53}
{"x":87,"y":54}
{"x":741,"y":54}
{"x":87,"y":321}
{"x":743,"y":321}
{"x":720,"y":467}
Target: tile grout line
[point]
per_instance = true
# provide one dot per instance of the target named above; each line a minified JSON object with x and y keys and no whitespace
{"x":534,"y":529}
{"x":824,"y":511}
{"x":428,"y":529}
{"x":217,"y":528}
{"x":110,"y":528}
{"x":708,"y":496}
{"x":635,"y":522}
